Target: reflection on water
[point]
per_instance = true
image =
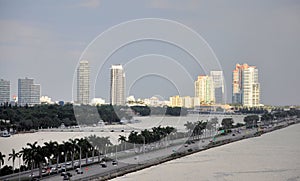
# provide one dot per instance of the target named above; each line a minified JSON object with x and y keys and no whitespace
{"x":271,"y":157}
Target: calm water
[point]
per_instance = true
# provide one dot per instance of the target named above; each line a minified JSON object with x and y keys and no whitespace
{"x":20,"y":140}
{"x":271,"y":157}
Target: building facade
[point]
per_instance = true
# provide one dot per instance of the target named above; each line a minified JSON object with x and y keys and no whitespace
{"x":4,"y":91}
{"x":204,"y":90}
{"x":28,"y":92}
{"x":83,"y":82}
{"x":218,"y":81}
{"x":245,"y":86}
{"x":117,"y":85}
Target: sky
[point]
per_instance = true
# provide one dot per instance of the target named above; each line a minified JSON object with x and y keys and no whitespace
{"x":45,"y":40}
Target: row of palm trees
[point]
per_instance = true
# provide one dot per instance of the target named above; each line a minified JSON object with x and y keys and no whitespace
{"x":36,"y":156}
{"x":196,"y":129}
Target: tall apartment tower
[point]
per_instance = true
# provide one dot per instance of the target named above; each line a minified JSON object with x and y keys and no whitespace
{"x":28,"y":92}
{"x":4,"y":91}
{"x":250,"y":87}
{"x":245,"y":86}
{"x":83,"y":82}
{"x":204,"y":90}
{"x":218,"y":81}
{"x":117,"y":85}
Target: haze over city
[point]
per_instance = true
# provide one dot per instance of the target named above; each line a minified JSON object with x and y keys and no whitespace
{"x":44,"y":41}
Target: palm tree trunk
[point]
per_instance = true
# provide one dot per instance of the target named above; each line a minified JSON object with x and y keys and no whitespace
{"x":93,"y":154}
{"x":40,"y":169}
{"x":86,"y":157}
{"x":72,"y":155}
{"x":57,"y":161}
{"x":13,"y":166}
{"x":99,"y":155}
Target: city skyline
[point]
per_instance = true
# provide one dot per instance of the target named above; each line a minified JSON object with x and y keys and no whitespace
{"x":42,"y":45}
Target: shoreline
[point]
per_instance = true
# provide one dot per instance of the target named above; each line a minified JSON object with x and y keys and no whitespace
{"x":134,"y":168}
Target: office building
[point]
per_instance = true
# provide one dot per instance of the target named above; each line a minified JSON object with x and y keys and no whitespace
{"x":218,"y":82}
{"x":83,"y":82}
{"x":4,"y":91}
{"x":117,"y":85}
{"x":204,"y":90}
{"x":28,"y":92}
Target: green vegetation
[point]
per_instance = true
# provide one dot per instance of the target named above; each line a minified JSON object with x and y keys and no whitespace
{"x":36,"y":156}
{"x":149,"y":136}
{"x":52,"y":116}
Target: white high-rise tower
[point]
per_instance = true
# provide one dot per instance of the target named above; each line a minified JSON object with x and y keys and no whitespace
{"x":83,"y":82}
{"x":117,"y":85}
{"x":218,"y":81}
{"x":28,"y":92}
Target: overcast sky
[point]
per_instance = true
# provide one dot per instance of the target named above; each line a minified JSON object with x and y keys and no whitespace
{"x":45,"y":39}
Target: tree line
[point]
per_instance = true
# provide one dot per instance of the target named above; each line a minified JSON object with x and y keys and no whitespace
{"x":52,"y":116}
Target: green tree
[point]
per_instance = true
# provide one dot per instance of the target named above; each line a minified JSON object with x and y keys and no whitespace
{"x":2,"y":156}
{"x":227,"y":123}
{"x":251,"y":121}
{"x":13,"y":155}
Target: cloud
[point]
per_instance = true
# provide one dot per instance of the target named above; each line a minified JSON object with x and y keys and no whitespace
{"x":17,"y":33}
{"x":175,"y":4}
{"x":90,"y":4}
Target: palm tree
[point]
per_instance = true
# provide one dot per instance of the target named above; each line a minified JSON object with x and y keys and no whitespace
{"x":67,"y":147}
{"x":50,"y":148}
{"x":13,"y":155}
{"x":122,"y":139}
{"x":85,"y":146}
{"x":2,"y":156}
{"x":28,"y":154}
{"x":39,"y":155}
{"x":73,"y":146}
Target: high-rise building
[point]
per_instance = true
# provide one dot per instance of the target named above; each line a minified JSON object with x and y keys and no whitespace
{"x":28,"y":92}
{"x":250,"y":87}
{"x":4,"y":91}
{"x":83,"y":82}
{"x":218,"y":81}
{"x":245,"y":85}
{"x":204,"y":89}
{"x":176,"y":101}
{"x":117,"y":85}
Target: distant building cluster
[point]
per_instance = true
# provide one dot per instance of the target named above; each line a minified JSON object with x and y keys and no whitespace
{"x":208,"y":90}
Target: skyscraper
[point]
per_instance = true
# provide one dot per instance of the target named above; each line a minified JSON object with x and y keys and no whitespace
{"x":28,"y":92}
{"x":245,"y":85}
{"x":83,"y":82}
{"x":250,"y":87}
{"x":218,"y":81}
{"x":117,"y":85}
{"x":204,"y":89}
{"x":4,"y":91}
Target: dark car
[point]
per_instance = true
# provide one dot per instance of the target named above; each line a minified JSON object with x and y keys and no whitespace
{"x":66,"y":177}
{"x":103,"y":164}
{"x":114,"y":162}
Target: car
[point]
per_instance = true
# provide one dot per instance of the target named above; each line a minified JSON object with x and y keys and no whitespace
{"x":186,"y":145}
{"x":63,"y":173}
{"x":114,"y":162}
{"x":233,"y":134}
{"x":112,"y":130}
{"x":79,"y":171}
{"x":66,"y":177}
{"x":103,"y":164}
{"x":122,"y":130}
